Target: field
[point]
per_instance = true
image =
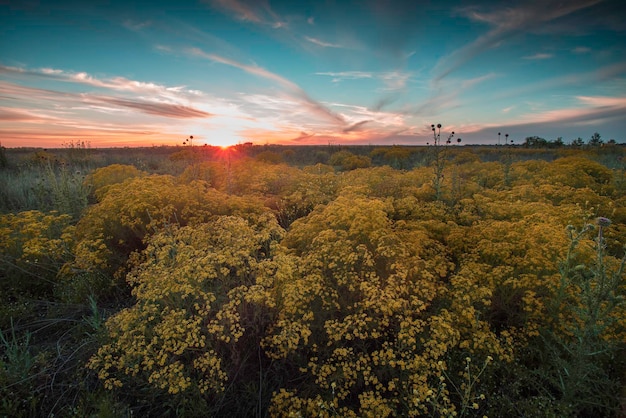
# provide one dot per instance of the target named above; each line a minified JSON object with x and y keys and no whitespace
{"x":313,"y":281}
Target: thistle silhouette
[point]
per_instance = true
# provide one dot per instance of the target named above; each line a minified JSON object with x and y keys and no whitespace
{"x":439,"y":157}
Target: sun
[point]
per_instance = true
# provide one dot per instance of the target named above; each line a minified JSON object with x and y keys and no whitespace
{"x":223,"y":137}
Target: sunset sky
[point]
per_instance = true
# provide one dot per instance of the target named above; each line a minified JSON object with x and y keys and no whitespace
{"x":128,"y":73}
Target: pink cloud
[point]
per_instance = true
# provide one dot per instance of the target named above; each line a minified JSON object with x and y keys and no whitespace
{"x":597,"y":109}
{"x":116,"y":83}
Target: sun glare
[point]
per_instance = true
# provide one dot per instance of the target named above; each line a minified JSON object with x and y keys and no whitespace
{"x":227,"y":142}
{"x":223,"y":138}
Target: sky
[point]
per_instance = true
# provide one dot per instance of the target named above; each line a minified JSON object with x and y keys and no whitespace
{"x":372,"y":72}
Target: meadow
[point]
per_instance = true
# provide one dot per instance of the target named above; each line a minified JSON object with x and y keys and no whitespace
{"x":333,"y":281}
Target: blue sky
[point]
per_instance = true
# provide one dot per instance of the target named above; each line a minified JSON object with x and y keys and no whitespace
{"x":124,"y":73}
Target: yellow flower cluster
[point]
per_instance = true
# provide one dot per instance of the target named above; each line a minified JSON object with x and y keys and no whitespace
{"x":376,"y":303}
{"x":189,"y":284}
{"x":33,"y":248}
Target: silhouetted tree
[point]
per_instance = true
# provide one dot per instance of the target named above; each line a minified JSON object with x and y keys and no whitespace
{"x":578,"y":142}
{"x":535,"y":142}
{"x":595,"y":140}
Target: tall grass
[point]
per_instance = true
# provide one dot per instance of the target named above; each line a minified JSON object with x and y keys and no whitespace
{"x":46,"y":186}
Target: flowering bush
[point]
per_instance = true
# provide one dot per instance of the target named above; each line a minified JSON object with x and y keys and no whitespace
{"x":33,"y":247}
{"x":255,"y":289}
{"x":102,"y":179}
{"x":182,"y":335}
{"x":364,"y":316}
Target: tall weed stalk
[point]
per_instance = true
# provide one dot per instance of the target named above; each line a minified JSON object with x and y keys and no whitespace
{"x":583,"y":362}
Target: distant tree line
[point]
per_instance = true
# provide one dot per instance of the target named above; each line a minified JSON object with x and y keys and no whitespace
{"x":538,"y":142}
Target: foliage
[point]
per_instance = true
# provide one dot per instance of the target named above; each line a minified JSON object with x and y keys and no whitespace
{"x":581,"y":349}
{"x":34,"y":245}
{"x":362,"y":317}
{"x":397,"y":157}
{"x":45,"y":185}
{"x":100,"y":180}
{"x":131,"y":211}
{"x":346,"y":160}
{"x":4,"y":162}
{"x":246,"y":288}
{"x":439,"y":156}
{"x":185,"y":333}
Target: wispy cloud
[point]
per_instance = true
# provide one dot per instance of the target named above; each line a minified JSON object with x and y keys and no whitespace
{"x":154,"y":108}
{"x":292,"y":88}
{"x":539,"y":56}
{"x":391,"y":80}
{"x":255,"y":11}
{"x":506,"y":23}
{"x":395,"y":80}
{"x":384,"y":101}
{"x":90,"y":101}
{"x":472,"y":82}
{"x":322,"y":43}
{"x":590,"y":110}
{"x":581,"y":50}
{"x":23,"y":115}
{"x":446,"y":95}
{"x":116,"y":83}
{"x":136,"y":26}
{"x":356,"y":126}
{"x":347,"y":75}
{"x":598,"y":75}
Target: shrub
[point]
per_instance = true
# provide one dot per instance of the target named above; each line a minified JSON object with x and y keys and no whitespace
{"x":34,"y":245}
{"x":182,"y":340}
{"x":101,"y":179}
{"x":345,"y":160}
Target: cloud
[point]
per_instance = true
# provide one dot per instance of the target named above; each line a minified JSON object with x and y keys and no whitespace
{"x":303,"y":136}
{"x":358,"y":116}
{"x":603,"y":101}
{"x":395,"y":80}
{"x":64,"y":102}
{"x":255,"y":11}
{"x":506,"y":23}
{"x":292,"y":88}
{"x":115,"y":83}
{"x":154,"y":108}
{"x":471,"y":82}
{"x":163,"y":48}
{"x":392,"y":80}
{"x":355,"y":126}
{"x":538,"y":56}
{"x":384,"y":102}
{"x":136,"y":26}
{"x":581,"y":50}
{"x":591,"y":111}
{"x":22,"y":115}
{"x":601,"y":74}
{"x":322,"y":43}
{"x":20,"y":93}
{"x":597,"y":109}
{"x":347,"y":75}
{"x":445,"y":96}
